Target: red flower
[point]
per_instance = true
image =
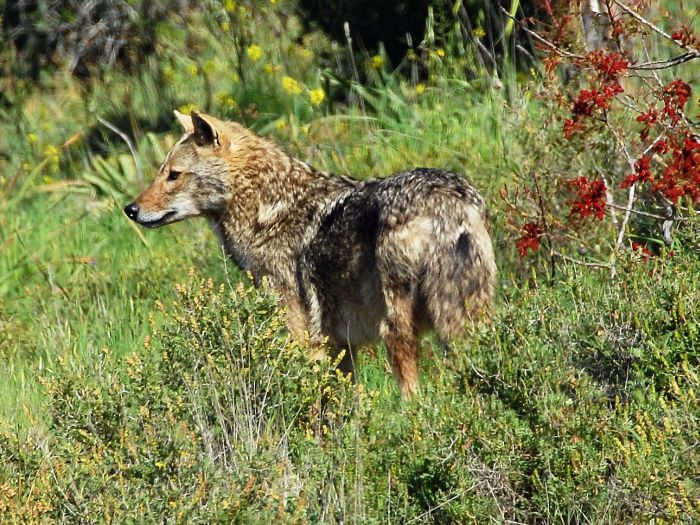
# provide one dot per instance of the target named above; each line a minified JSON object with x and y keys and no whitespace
{"x":642,"y":172}
{"x":661,"y":147}
{"x":675,"y":96}
{"x":609,"y":66}
{"x":682,"y":176}
{"x":586,"y":101}
{"x":591,"y":198}
{"x":571,"y":127}
{"x":649,"y":118}
{"x":530,"y":240}
{"x":646,"y":253}
{"x":684,"y":36}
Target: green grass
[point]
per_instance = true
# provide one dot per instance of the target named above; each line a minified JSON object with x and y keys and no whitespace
{"x":132,"y":390}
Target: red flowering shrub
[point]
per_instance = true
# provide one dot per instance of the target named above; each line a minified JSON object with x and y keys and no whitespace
{"x":681,"y":177}
{"x":608,"y":69}
{"x":675,"y":96}
{"x":632,"y":117}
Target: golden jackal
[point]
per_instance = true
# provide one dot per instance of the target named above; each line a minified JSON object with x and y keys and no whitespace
{"x":354,"y":262}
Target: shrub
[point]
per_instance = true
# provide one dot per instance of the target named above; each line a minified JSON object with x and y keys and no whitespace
{"x":94,"y":35}
{"x":200,"y":424}
{"x":620,"y":163}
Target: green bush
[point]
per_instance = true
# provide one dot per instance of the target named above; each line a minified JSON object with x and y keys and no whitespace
{"x":90,"y":36}
{"x":551,"y":412}
{"x":219,"y":398}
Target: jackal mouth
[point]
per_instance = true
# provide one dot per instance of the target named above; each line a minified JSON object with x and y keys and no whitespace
{"x":158,"y":222}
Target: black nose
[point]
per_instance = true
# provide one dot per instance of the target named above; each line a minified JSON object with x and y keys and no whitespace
{"x":132,"y":210}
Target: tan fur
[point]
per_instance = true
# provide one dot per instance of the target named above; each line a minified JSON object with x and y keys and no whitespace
{"x":354,"y":262}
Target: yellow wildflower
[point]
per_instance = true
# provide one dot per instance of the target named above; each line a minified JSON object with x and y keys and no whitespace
{"x":377,"y":61}
{"x":271,"y":68}
{"x":32,"y":138}
{"x":226,"y":100}
{"x":225,"y":26}
{"x":193,"y":70}
{"x":208,"y":67}
{"x":51,"y":152}
{"x":316,"y":96}
{"x":479,"y":32}
{"x":186,"y":110}
{"x":280,"y":124}
{"x":230,"y":6}
{"x":254,"y":52}
{"x":291,"y":86}
{"x":304,"y":52}
{"x":440,"y":52}
{"x":168,"y":74}
{"x":420,"y":88}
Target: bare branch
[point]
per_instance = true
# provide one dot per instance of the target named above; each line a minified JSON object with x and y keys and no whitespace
{"x":626,"y":218}
{"x":630,"y":193}
{"x":665,"y":64}
{"x":541,"y":39}
{"x":647,"y":214}
{"x":583,"y":263}
{"x":125,"y":138}
{"x":648,"y":24}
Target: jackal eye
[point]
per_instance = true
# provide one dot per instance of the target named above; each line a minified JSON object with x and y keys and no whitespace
{"x":173,"y":175}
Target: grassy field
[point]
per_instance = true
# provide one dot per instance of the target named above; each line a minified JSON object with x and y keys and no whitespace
{"x":144,"y":380}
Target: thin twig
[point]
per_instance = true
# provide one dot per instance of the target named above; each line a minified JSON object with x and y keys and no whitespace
{"x":468,"y":32}
{"x":691,"y":54}
{"x":547,"y":234}
{"x":610,"y":202}
{"x":647,"y":214}
{"x":125,"y":138}
{"x":353,"y":64}
{"x":626,"y":217}
{"x":438,"y":506}
{"x":630,"y":192}
{"x":541,"y":39}
{"x":646,"y":22}
{"x":583,"y":263}
{"x":665,"y":64}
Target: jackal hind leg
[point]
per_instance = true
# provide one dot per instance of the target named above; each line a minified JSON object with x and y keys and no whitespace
{"x":399,"y":332}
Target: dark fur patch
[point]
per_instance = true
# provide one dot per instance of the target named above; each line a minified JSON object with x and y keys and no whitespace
{"x":301,"y":285}
{"x":464,"y":245}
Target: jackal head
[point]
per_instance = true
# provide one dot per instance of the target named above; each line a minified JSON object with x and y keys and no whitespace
{"x":195,"y":178}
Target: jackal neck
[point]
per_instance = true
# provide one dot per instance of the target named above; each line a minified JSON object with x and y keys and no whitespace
{"x":273,"y":209}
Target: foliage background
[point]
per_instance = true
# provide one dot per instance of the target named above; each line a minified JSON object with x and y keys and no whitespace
{"x":144,"y":380}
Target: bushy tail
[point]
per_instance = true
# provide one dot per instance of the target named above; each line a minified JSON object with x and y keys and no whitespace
{"x":460,"y":275}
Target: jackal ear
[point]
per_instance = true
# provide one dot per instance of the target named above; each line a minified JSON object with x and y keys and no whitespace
{"x":185,"y":121}
{"x":205,"y":132}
